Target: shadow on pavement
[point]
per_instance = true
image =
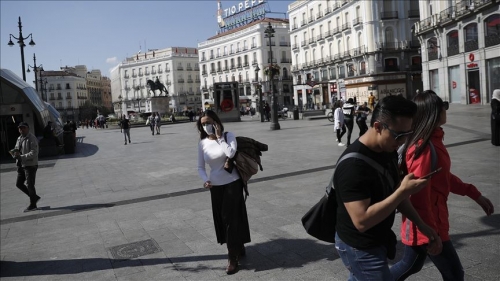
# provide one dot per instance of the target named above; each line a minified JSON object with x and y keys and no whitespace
{"x":76,"y":208}
{"x":278,"y":253}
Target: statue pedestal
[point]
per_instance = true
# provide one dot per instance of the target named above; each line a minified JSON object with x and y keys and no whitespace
{"x":158,"y":104}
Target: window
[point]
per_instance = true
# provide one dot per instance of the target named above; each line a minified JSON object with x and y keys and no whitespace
{"x":225,"y":50}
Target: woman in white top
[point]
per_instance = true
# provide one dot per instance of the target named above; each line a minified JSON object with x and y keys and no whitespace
{"x":338,"y":121}
{"x":226,"y":188}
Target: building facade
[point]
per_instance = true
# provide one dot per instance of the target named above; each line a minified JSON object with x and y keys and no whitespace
{"x":350,"y":48}
{"x":175,"y":67}
{"x":106,"y":93}
{"x":234,"y":55}
{"x":460,"y":48}
{"x":65,"y":91}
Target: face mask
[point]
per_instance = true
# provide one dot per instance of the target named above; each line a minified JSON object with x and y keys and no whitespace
{"x":209,"y":129}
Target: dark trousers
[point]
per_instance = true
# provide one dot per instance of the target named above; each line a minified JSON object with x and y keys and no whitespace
{"x":362,"y":126}
{"x":230,"y":214}
{"x":349,"y":122}
{"x":447,"y":262}
{"x":340,"y":134}
{"x":27,"y":174}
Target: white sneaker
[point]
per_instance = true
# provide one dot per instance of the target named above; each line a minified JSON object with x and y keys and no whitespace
{"x":341,"y":144}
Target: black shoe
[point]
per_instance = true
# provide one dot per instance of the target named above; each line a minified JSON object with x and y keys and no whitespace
{"x":37,"y":199}
{"x":30,"y":208}
{"x":128,"y":141}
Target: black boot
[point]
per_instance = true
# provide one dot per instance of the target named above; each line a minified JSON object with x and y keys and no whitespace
{"x":232,"y":263}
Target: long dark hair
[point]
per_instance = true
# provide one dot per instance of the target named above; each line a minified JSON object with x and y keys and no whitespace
{"x":211,"y":114}
{"x":429,"y":108}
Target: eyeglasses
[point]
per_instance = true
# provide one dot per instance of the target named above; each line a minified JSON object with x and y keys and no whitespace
{"x":397,"y":135}
{"x":446,"y":105}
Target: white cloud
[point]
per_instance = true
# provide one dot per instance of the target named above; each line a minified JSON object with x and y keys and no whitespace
{"x":112,"y":60}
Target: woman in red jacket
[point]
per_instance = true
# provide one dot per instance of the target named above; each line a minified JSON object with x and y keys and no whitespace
{"x":430,"y":202}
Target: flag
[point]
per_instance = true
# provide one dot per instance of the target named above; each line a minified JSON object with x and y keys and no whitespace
{"x":311,"y":83}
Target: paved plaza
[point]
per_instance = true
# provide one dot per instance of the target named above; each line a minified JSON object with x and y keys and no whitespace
{"x":138,"y":212}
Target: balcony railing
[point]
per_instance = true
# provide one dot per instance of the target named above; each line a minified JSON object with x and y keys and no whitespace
{"x":180,"y":68}
{"x":471,"y":45}
{"x":303,"y":43}
{"x":328,"y":10}
{"x":357,"y":21}
{"x":388,"y":15}
{"x":68,"y":97}
{"x":285,"y":60}
{"x":204,"y":72}
{"x":284,"y":44}
{"x":295,"y":46}
{"x":272,"y":43}
{"x":362,"y":71}
{"x":180,"y":80}
{"x":346,"y":26}
{"x":452,"y":50}
{"x":491,"y":40}
{"x":274,"y":60}
{"x":320,"y":37}
{"x":311,"y":19}
{"x":189,"y":68}
{"x":294,"y":26}
{"x":319,"y":15}
{"x":190,"y":80}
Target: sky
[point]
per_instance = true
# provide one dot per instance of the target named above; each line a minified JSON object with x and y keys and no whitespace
{"x":101,"y":34}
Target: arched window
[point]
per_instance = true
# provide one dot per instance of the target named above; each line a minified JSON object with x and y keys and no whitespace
{"x":452,"y":43}
{"x":492,"y":30}
{"x":470,"y":37}
{"x":285,"y":72}
{"x":432,"y":48}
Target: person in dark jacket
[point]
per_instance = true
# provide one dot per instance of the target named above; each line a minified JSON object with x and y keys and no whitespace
{"x":495,"y":118}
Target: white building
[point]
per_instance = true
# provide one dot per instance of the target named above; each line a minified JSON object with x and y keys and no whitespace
{"x":66,"y":91}
{"x":176,"y":67}
{"x":350,"y":48}
{"x":234,"y":55}
{"x":460,"y":48}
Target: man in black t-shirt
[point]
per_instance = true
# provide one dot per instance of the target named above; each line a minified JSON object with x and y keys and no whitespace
{"x":349,"y":110}
{"x":367,"y":201}
{"x":125,"y":126}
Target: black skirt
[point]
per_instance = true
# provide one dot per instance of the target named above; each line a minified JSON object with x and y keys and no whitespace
{"x":230,"y":214}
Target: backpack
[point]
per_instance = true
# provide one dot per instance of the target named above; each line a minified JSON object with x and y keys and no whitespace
{"x":246,"y":159}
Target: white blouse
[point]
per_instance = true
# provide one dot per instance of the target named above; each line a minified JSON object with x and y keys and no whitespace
{"x":214,"y":153}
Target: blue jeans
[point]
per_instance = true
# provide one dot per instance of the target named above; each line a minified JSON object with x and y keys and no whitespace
{"x":364,"y":264}
{"x":448,"y":263}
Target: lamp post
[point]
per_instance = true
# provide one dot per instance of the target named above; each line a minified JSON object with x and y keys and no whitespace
{"x":20,"y":39}
{"x":258,"y":88}
{"x":274,"y":115}
{"x":35,"y":69}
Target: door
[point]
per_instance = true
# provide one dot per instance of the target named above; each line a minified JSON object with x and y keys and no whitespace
{"x":8,"y":133}
{"x":474,"y":93}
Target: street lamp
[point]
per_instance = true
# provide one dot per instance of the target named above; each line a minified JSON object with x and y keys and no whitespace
{"x":35,"y":69}
{"x":258,"y":88}
{"x":20,"y":40}
{"x":274,"y":115}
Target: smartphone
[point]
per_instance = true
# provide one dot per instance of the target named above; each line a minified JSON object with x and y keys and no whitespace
{"x":431,"y":173}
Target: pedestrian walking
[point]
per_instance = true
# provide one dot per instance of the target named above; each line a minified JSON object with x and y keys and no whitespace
{"x":371,"y":101}
{"x":367,"y":198}
{"x":361,"y":115}
{"x":495,"y":118}
{"x":157,"y":123}
{"x":349,"y":110}
{"x":125,"y":127}
{"x":151,"y":122}
{"x":431,"y":201}
{"x":226,"y":188}
{"x":338,"y":121}
{"x":267,"y":111}
{"x":26,"y":154}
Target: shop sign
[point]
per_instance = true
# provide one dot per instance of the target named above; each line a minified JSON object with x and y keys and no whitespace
{"x":472,"y":63}
{"x":392,"y":89}
{"x":240,"y":14}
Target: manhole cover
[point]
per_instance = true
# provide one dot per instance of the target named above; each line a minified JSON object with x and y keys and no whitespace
{"x":134,"y":250}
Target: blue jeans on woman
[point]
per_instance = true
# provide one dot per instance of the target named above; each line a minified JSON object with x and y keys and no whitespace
{"x":448,"y":263}
{"x":364,"y":264}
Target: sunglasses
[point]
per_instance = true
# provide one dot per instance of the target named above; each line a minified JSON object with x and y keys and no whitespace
{"x":446,"y":105}
{"x":397,"y":135}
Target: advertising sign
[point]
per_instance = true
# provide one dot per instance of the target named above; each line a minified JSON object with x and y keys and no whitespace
{"x":241,"y":14}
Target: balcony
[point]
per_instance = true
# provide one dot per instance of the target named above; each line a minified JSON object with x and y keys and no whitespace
{"x":180,"y":80}
{"x":303,"y":43}
{"x":312,"y":40}
{"x":328,"y":10}
{"x":336,"y":57}
{"x":212,"y":57}
{"x":134,"y":75}
{"x":160,"y":70}
{"x":180,"y":68}
{"x":320,"y":37}
{"x":346,"y":26}
{"x":295,"y":46}
{"x":284,"y":44}
{"x":125,"y":76}
{"x":196,"y":68}
{"x":346,"y":54}
{"x":197,"y":80}
{"x":471,"y":45}
{"x":452,"y":50}
{"x":414,"y":13}
{"x":491,"y":40}
{"x":303,"y":22}
{"x":59,"y":88}
{"x":390,"y":46}
{"x":68,"y":87}
{"x":59,"y":97}
{"x":190,"y":80}
{"x":391,"y":68}
{"x":68,"y":97}
{"x":189,"y":68}
{"x":358,"y":51}
{"x":240,"y":66}
{"x":362,"y":71}
{"x":203,"y":59}
{"x":52,"y":98}
{"x":350,"y":73}
{"x":286,"y":60}
{"x":447,"y":14}
{"x":253,"y":46}
{"x":245,"y":64}
{"x":294,"y":27}
{"x":357,"y":21}
{"x":141,"y":74}
{"x":319,"y":15}
{"x":389,"y":15}
{"x":272,"y":43}
{"x":219,"y":69}
{"x":274,"y":60}
{"x":311,"y":19}
{"x":204,"y":72}
{"x":225,"y":68}
{"x":335,"y":30}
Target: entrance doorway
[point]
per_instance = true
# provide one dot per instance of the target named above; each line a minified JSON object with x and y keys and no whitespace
{"x":474,"y":86}
{"x":9,"y":133}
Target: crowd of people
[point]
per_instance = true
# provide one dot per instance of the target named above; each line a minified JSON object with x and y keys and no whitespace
{"x":345,"y":114}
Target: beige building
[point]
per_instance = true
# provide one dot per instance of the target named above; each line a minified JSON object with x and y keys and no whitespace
{"x":460,"y":48}
{"x":348,"y":48}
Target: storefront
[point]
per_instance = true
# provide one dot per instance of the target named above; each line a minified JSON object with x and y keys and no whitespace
{"x":493,"y":73}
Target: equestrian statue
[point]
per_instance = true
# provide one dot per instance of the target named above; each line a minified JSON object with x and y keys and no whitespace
{"x":157,"y":85}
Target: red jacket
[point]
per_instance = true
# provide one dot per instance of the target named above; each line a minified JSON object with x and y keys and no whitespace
{"x":430,"y":202}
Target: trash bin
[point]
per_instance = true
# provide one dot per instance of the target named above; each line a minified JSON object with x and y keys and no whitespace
{"x":296,"y":113}
{"x":69,"y":142}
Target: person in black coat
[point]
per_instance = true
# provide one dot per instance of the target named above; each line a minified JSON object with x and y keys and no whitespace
{"x":495,"y":118}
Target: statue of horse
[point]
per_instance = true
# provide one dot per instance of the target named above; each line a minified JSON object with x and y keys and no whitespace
{"x":153,"y":86}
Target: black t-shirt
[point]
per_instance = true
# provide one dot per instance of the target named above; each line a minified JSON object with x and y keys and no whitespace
{"x":125,"y":124}
{"x":356,"y":180}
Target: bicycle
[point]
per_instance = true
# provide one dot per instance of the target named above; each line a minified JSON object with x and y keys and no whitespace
{"x":330,"y":116}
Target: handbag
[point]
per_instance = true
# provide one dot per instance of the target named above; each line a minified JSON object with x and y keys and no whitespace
{"x":320,"y":221}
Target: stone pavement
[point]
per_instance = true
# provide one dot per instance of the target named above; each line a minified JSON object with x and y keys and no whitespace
{"x":138,"y":212}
